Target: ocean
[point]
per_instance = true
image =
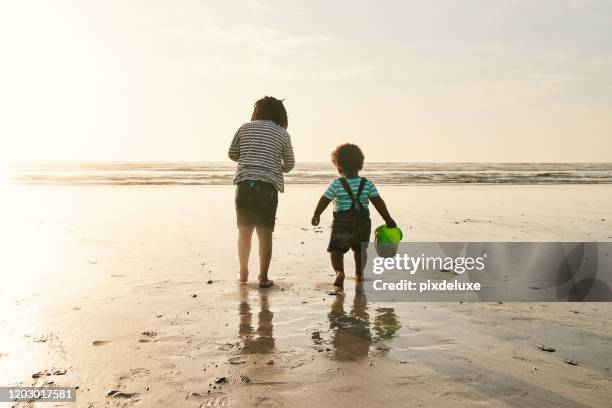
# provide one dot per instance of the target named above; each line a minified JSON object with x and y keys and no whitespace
{"x":220,"y":173}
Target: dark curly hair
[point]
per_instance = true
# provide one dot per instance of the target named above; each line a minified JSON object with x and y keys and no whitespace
{"x":270,"y":108}
{"x":348,"y":158}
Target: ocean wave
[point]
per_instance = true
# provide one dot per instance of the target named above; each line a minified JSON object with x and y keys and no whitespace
{"x":219,"y":173}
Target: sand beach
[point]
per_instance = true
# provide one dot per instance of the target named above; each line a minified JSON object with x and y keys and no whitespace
{"x":129,"y":294}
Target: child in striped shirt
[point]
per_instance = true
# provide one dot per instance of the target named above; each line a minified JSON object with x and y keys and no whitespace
{"x":351,"y":226}
{"x":262,"y":148}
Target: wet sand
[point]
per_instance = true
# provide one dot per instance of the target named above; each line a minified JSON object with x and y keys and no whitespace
{"x":107,"y":289}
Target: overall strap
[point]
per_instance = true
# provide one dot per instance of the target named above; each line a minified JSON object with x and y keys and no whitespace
{"x":362,"y":184}
{"x":354,"y":200}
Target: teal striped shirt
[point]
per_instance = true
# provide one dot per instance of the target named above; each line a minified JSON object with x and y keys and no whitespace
{"x":342,"y":200}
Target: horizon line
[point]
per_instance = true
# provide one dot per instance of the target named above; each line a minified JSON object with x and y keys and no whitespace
{"x":25,"y":162}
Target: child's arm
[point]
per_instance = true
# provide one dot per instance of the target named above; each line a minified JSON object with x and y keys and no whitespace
{"x":234,"y":150}
{"x":288,"y":157}
{"x":321,"y":206}
{"x":381,"y":207}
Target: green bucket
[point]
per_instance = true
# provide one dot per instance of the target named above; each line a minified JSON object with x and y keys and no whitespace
{"x":386,"y":240}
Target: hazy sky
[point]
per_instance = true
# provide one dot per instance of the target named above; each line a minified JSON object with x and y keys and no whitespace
{"x":407,"y":80}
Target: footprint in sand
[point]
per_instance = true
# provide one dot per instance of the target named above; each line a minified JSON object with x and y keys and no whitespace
{"x":121,"y":394}
{"x":49,"y":373}
{"x":236,"y":360}
{"x":411,"y":380}
{"x":43,"y":338}
{"x":342,"y":388}
{"x":149,"y":333}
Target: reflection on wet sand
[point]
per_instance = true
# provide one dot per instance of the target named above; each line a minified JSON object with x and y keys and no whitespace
{"x":261,"y":340}
{"x":352,"y":333}
{"x":386,"y":324}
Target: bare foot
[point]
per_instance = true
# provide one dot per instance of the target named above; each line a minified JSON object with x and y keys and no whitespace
{"x":242,"y":276}
{"x":339,"y":282}
{"x":359,"y":286}
{"x":266,"y":283}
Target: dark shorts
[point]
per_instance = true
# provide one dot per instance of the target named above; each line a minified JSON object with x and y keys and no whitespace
{"x":349,"y":230}
{"x":256,"y":203}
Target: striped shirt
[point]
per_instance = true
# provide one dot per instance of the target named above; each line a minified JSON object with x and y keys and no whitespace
{"x":342,"y":200}
{"x":263,"y":151}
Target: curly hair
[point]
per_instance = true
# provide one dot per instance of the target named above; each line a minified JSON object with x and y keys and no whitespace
{"x":348,"y":158}
{"x":270,"y":108}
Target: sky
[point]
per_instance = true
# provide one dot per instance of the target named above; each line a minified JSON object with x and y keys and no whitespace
{"x":457,"y":81}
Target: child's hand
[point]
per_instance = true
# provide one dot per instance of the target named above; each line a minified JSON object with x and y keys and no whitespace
{"x":315,"y":220}
{"x":391,"y":223}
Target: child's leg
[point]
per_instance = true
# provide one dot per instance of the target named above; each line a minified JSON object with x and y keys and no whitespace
{"x":337,"y":260}
{"x":244,"y":250}
{"x":265,"y":254}
{"x":360,"y":262}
